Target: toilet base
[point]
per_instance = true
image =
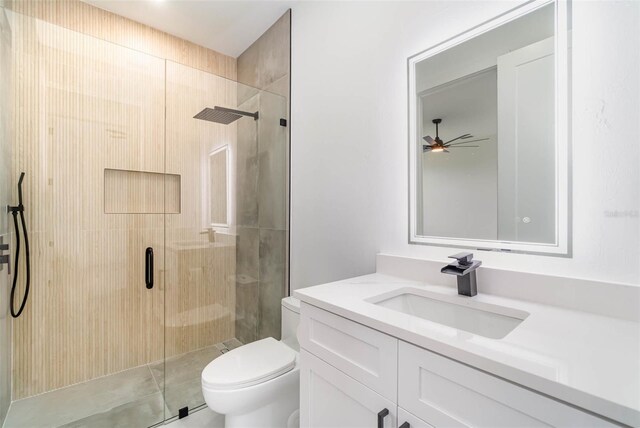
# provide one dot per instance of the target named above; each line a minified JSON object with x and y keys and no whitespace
{"x":271,"y":415}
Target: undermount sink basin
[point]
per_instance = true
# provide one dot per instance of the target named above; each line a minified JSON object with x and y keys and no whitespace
{"x":459,"y":312}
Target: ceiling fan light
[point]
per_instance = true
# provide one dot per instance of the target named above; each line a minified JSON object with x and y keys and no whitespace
{"x":437,"y":149}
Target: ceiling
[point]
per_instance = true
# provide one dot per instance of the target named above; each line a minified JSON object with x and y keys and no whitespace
{"x":470,"y":105}
{"x":228,"y":27}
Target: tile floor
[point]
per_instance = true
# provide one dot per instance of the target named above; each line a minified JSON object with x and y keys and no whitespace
{"x":132,"y":398}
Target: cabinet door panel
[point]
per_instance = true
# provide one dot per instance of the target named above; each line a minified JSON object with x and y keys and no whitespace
{"x":367,"y":355}
{"x":444,"y":392}
{"x":331,"y":399}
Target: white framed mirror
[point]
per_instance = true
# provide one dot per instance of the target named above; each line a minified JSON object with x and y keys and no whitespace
{"x":489,"y":135}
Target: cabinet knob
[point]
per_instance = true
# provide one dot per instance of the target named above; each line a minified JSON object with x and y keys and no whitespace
{"x":381,"y":415}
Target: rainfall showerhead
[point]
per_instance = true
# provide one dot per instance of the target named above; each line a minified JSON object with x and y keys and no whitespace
{"x":223,"y":115}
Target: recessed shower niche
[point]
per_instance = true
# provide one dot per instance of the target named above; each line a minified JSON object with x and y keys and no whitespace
{"x":141,"y":192}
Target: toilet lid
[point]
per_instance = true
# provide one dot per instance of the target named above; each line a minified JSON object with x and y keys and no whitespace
{"x":249,"y":365}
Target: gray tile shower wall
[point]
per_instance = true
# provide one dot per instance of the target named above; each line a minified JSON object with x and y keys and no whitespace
{"x":272,"y":163}
{"x":261,"y":250}
{"x":247,"y":293}
{"x":263,"y":185}
{"x":247,"y":309}
{"x":272,"y":280}
{"x":247,"y":167}
{"x":268,"y":58}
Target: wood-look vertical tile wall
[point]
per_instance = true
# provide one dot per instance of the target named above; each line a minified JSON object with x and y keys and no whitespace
{"x":90,"y":20}
{"x":83,"y":105}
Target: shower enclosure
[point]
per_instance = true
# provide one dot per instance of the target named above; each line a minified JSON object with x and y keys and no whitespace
{"x":140,"y":222}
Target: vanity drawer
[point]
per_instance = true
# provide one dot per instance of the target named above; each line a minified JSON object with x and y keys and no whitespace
{"x":446,"y":393}
{"x":366,"y":355}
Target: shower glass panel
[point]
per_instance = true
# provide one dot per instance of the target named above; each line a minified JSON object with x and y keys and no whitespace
{"x":6,"y":107}
{"x":225,"y":272}
{"x":89,"y":347}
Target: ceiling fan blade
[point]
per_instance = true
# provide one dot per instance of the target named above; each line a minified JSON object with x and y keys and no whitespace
{"x":480,"y":139}
{"x":426,"y":148}
{"x":461,"y":147}
{"x":471,"y":141}
{"x":446,"y":151}
{"x":463,"y":137}
{"x":428,"y":139}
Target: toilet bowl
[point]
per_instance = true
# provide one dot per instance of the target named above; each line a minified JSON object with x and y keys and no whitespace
{"x":257,"y":385}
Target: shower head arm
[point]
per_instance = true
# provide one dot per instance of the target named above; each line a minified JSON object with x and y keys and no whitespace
{"x":240,"y":112}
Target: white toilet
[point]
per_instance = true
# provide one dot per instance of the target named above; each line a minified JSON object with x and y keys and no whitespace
{"x":257,"y":385}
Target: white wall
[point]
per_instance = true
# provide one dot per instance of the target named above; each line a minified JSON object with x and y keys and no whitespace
{"x":349,"y":136}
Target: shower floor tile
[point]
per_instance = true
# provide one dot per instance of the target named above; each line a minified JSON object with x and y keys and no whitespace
{"x":62,"y":406}
{"x":180,"y":376}
{"x":232,"y":344}
{"x":132,"y":398}
{"x":142,"y":412}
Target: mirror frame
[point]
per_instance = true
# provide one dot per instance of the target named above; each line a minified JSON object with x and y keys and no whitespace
{"x":562,"y":136}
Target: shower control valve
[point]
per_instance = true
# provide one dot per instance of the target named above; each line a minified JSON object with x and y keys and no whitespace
{"x":16,"y":209}
{"x":4,"y":258}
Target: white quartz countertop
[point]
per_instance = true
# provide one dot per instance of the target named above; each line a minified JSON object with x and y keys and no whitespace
{"x":587,"y":360}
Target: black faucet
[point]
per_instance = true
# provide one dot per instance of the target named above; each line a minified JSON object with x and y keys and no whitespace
{"x":465,"y":269}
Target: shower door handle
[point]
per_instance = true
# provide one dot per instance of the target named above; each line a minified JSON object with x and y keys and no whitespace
{"x":148,"y":267}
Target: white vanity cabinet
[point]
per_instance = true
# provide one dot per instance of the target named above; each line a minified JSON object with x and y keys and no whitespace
{"x":349,"y":373}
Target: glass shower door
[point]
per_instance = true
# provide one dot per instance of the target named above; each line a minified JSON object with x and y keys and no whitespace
{"x":88,"y":349}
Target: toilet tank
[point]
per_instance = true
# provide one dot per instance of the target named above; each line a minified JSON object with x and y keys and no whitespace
{"x":290,"y":322}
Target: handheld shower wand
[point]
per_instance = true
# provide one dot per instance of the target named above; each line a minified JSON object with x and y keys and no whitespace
{"x":19,"y":209}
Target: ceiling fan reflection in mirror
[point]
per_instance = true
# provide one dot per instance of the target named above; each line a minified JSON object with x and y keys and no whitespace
{"x":436,"y":145}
